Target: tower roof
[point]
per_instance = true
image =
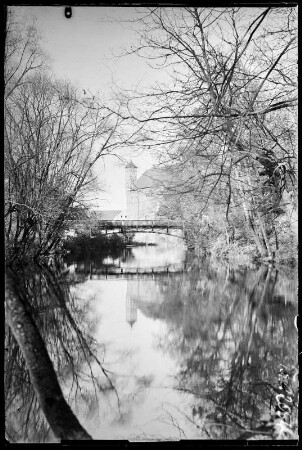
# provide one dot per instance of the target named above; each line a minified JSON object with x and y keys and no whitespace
{"x":131,"y":165}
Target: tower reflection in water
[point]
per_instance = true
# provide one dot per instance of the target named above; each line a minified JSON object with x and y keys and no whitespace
{"x":146,"y":293}
{"x":131,"y":309}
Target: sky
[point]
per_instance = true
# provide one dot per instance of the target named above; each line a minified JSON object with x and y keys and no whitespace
{"x":81,"y":49}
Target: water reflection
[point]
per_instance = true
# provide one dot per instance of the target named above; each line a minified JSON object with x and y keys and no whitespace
{"x":230,"y":336}
{"x":45,"y":321}
{"x":191,"y":355}
{"x":158,"y":256}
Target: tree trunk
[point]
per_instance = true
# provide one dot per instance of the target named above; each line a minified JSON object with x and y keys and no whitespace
{"x":58,"y":413}
{"x":291,"y":212}
{"x":253,"y":228}
{"x":264,"y":235}
{"x":249,"y":218}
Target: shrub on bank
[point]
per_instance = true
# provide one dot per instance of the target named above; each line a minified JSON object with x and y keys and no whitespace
{"x":84,"y":244}
{"x":236,"y":253}
{"x":287,"y":251}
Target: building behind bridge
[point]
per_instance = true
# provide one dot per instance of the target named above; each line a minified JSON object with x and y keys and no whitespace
{"x":143,"y":194}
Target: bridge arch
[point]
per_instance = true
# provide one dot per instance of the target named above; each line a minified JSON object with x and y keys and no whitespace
{"x":158,"y":232}
{"x":138,"y":226}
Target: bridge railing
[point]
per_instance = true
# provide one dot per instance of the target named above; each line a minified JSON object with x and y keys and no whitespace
{"x":138,"y":222}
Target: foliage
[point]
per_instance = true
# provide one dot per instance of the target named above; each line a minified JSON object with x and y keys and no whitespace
{"x":234,"y":253}
{"x":225,"y":123}
{"x":53,"y":138}
{"x":83,"y":244}
{"x":286,"y":252}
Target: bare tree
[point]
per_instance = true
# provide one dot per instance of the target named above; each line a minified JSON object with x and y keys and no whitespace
{"x":23,"y":54}
{"x":227,"y":117}
{"x":53,"y":138}
{"x":52,"y":142}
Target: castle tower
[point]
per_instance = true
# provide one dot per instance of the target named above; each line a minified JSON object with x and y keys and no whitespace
{"x":132,"y":195}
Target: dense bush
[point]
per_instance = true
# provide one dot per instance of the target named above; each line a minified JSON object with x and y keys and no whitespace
{"x":83,"y":244}
{"x":236,"y":253}
{"x":286,"y":252}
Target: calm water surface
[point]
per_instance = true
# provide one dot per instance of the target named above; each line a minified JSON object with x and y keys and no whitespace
{"x":191,"y":352}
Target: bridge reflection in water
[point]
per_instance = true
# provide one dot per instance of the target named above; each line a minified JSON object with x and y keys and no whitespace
{"x":96,"y":272}
{"x":164,"y":257}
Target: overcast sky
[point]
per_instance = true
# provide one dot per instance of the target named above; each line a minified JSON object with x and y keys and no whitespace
{"x":81,"y":50}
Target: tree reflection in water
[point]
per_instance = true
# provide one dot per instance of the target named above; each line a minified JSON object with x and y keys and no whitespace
{"x":231,"y":335}
{"x":60,"y":319}
{"x":229,"y":331}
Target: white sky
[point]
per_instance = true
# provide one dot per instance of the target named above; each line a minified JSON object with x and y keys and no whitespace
{"x":81,"y":50}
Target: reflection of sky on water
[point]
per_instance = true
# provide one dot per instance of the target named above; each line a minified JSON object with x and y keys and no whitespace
{"x":187,"y":330}
{"x":143,"y":375}
{"x":167,"y":251}
{"x":179,"y":348}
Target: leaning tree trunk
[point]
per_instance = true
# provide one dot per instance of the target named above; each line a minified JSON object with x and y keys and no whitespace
{"x":58,"y":413}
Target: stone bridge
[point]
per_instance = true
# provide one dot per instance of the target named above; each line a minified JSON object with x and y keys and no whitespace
{"x":137,"y":226}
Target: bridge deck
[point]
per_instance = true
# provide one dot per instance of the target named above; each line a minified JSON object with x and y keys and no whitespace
{"x":138,"y":224}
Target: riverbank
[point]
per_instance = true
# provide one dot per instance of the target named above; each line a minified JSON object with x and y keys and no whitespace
{"x":83,"y":244}
{"x":242,"y":253}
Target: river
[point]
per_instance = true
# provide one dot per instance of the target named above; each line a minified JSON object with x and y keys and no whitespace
{"x":180,"y":348}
